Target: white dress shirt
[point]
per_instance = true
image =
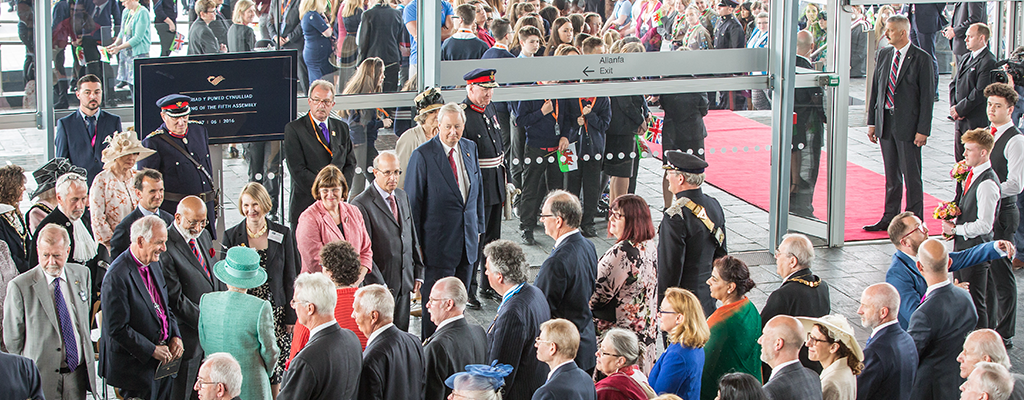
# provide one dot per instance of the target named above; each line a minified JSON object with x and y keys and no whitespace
{"x":882,"y":326}
{"x":935,"y":286}
{"x":377,"y":333}
{"x":903,"y":57}
{"x":987,"y":196}
{"x":552,"y":372}
{"x":777,"y":368}
{"x":1014,"y":153}
{"x":65,"y":290}
{"x":318,"y":328}
{"x":446,"y":322}
{"x":463,"y":179}
{"x":562,"y":238}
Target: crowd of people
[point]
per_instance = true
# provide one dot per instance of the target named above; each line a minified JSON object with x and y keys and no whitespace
{"x":119,"y":237}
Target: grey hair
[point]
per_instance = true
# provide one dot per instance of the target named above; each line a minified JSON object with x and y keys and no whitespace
{"x":566,"y":206}
{"x":49,"y":234}
{"x":996,"y":380}
{"x":507,"y":259}
{"x":385,"y":153}
{"x":225,"y":369}
{"x":900,"y":20}
{"x":318,"y":290}
{"x":762,"y":14}
{"x":886,"y":296}
{"x":625,"y":344}
{"x":693,"y":179}
{"x":800,"y":247}
{"x":452,"y":288}
{"x":145,"y":226}
{"x":989,"y":343}
{"x":451,"y":108}
{"x":377,"y":298}
{"x":65,"y":181}
{"x":324,"y":84}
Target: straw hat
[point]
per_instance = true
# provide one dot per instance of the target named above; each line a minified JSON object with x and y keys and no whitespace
{"x":838,"y":329}
{"x":241,"y":268}
{"x":122,"y":144}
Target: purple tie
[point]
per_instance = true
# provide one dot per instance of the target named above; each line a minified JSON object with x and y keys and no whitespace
{"x":323,"y":131}
{"x":66,"y":330}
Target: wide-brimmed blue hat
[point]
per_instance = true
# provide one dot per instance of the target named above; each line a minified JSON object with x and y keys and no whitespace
{"x":241,"y":268}
{"x":480,"y":377}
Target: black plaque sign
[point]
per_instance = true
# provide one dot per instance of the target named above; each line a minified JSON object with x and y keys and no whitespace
{"x":238,"y":97}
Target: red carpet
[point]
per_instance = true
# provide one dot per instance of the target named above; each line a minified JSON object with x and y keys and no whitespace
{"x":743,"y":171}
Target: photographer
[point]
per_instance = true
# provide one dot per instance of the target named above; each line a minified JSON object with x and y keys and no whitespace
{"x":1011,"y":71}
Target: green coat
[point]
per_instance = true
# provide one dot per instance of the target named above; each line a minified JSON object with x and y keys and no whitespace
{"x":242,"y":325}
{"x":733,"y":345}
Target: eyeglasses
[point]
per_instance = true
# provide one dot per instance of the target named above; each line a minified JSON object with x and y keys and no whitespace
{"x":433,"y":300}
{"x":539,"y":340}
{"x":921,"y":227}
{"x":294,"y":302}
{"x":609,"y":354}
{"x":811,"y":340}
{"x":396,"y":172}
{"x":323,"y":102}
{"x":662,"y":312}
{"x":201,"y":383}
{"x":200,"y":222}
{"x":616,"y":215}
{"x":547,"y":215}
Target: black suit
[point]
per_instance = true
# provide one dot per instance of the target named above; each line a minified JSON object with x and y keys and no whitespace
{"x":394,"y":246}
{"x":793,"y":382}
{"x":926,"y":20}
{"x":19,"y":378}
{"x":122,"y":233}
{"x":325,"y":368}
{"x":131,"y":328}
{"x":511,"y":339}
{"x":282,"y":263}
{"x":568,"y":382}
{"x":897,"y":127}
{"x":799,"y":299}
{"x":449,"y":350}
{"x":686,"y":248}
{"x":187,"y":282}
{"x":964,"y":14}
{"x":59,"y":218}
{"x":380,"y":31}
{"x":966,"y":94}
{"x":939,"y":327}
{"x":307,"y":155}
{"x":392,"y":367}
{"x":291,"y":29}
{"x":890,"y":362}
{"x":568,"y":278}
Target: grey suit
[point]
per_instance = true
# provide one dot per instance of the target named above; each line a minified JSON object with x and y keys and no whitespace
{"x":187,"y":282}
{"x":201,"y":39}
{"x":793,"y":382}
{"x":32,"y":329}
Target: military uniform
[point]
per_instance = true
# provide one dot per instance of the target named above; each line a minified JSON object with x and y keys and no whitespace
{"x":729,"y":35}
{"x":686,"y":246}
{"x":182,"y":177}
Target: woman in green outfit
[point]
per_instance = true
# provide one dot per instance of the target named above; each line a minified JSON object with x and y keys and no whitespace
{"x":735,"y":327}
{"x":241,"y":324}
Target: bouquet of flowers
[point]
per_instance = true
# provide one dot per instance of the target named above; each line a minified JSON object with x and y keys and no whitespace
{"x":959,"y":171}
{"x":946,"y":210}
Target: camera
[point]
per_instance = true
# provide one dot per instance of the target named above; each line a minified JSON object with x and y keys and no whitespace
{"x":1014,"y":69}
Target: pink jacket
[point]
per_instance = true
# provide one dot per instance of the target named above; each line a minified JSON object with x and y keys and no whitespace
{"x":316,"y":228}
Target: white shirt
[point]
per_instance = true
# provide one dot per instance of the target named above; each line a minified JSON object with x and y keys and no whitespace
{"x":552,"y":372}
{"x":445,"y":322}
{"x":567,"y":234}
{"x":463,"y":180}
{"x":987,"y":197}
{"x":318,"y":328}
{"x":882,"y":326}
{"x":781,"y":366}
{"x":1014,"y":153}
{"x":376,"y":333}
{"x":935,"y":286}
{"x":65,"y":290}
{"x":145,"y":212}
{"x":903,"y":56}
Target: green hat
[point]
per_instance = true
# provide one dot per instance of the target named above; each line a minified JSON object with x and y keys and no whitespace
{"x":241,"y":268}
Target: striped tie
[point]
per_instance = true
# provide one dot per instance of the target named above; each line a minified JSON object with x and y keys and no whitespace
{"x":66,"y":330}
{"x":891,"y":89}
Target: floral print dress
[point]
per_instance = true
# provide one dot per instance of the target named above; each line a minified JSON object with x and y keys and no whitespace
{"x":627,"y":280}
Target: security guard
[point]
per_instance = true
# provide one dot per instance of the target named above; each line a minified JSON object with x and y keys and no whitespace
{"x":729,"y":35}
{"x":483,"y":129}
{"x":692,"y":231}
{"x":182,"y":156}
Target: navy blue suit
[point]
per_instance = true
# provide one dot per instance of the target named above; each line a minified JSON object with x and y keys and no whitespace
{"x":939,"y":328}
{"x":122,"y":233}
{"x":890,"y":362}
{"x":511,"y":338}
{"x":568,"y":382}
{"x":903,"y":275}
{"x":19,"y":378}
{"x":181,"y":177}
{"x":131,"y":328}
{"x":74,"y":142}
{"x":925,"y":21}
{"x":448,"y":226}
{"x":567,"y":278}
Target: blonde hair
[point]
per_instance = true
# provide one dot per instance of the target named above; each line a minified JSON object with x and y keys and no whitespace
{"x":349,"y":7}
{"x":564,"y":335}
{"x":366,"y":80}
{"x":240,"y":8}
{"x":693,"y":331}
{"x":312,"y":5}
{"x":257,"y":192}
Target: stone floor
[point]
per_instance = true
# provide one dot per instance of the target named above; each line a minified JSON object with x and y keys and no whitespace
{"x":847,"y":270}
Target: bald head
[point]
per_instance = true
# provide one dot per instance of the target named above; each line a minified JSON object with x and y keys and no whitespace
{"x":982,"y":345}
{"x":933,"y":261}
{"x":386,"y":171}
{"x":781,"y":340}
{"x":880,"y":303}
{"x":190,"y":217}
{"x":804,"y":43}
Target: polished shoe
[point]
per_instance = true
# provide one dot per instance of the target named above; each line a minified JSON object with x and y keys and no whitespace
{"x":880,"y":226}
{"x":490,"y":294}
{"x":528,"y":238}
{"x":474,"y":304}
{"x":1008,"y":343}
{"x":936,"y":99}
{"x":588,"y":232}
{"x":1017,"y":264}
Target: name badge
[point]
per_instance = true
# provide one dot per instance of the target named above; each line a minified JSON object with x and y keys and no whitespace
{"x":275,"y":236}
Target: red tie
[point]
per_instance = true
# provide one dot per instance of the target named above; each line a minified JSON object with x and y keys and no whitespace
{"x":967,"y":183}
{"x":890,"y":90}
{"x":394,"y":207}
{"x":195,"y":250}
{"x":994,"y":130}
{"x":455,"y":169}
